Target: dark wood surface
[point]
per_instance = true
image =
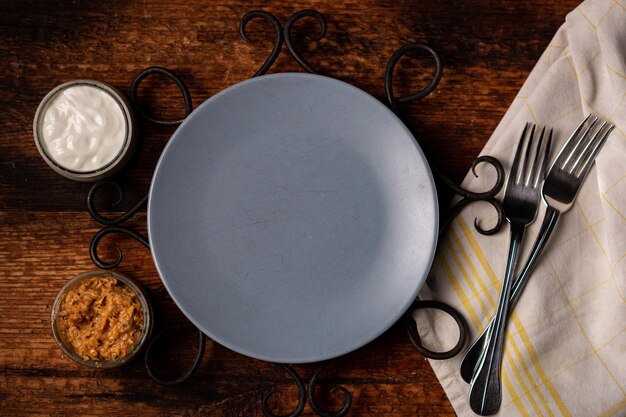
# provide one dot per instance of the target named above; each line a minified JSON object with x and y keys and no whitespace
{"x":488,"y":48}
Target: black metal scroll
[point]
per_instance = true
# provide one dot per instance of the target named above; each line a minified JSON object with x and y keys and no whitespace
{"x":182,"y":87}
{"x":414,"y":337}
{"x":167,"y":332}
{"x":305,"y":393}
{"x":337,"y":388}
{"x":267,"y":411}
{"x":284,"y":35}
{"x":278,"y":42}
{"x":111,"y":224}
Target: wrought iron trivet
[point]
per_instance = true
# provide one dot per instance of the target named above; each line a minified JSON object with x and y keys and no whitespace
{"x":284,"y":35}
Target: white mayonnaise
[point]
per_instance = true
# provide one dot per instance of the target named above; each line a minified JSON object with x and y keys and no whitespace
{"x":83,"y":128}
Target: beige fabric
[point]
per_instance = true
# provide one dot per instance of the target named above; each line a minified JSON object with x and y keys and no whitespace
{"x":566,"y":343}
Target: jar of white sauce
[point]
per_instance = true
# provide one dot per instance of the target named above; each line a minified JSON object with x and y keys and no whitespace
{"x":84,"y":130}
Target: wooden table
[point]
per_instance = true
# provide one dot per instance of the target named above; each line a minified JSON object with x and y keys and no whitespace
{"x":488,"y":47}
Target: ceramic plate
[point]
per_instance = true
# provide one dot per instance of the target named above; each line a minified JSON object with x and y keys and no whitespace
{"x":292,"y":218}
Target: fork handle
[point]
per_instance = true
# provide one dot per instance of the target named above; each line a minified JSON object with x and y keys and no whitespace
{"x":547,"y":227}
{"x":485,"y":394}
{"x":545,"y":231}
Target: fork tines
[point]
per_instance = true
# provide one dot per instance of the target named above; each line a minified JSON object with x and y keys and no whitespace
{"x":576,"y":159}
{"x":531,"y":173}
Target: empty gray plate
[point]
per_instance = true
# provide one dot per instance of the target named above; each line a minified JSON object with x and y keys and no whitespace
{"x":292,"y":218}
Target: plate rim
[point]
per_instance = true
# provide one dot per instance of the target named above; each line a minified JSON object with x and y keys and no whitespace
{"x":420,"y":278}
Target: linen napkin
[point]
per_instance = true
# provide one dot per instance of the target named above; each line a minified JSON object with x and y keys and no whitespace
{"x":565,"y":351}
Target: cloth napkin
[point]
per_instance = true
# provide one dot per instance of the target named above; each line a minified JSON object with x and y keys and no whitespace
{"x":565,"y":350}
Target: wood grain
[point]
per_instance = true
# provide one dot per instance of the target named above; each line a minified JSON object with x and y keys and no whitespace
{"x":488,"y":48}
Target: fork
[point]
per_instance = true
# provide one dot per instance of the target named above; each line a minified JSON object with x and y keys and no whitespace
{"x":521,"y":202}
{"x":560,"y":188}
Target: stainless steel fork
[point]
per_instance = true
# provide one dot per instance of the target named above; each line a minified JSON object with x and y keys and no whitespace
{"x":560,"y":188}
{"x":521,"y":201}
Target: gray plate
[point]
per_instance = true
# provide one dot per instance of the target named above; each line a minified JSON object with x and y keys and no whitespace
{"x":292,"y":218}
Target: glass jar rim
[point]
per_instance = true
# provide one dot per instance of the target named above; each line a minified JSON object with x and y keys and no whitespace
{"x":118,"y":160}
{"x":145,"y":306}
